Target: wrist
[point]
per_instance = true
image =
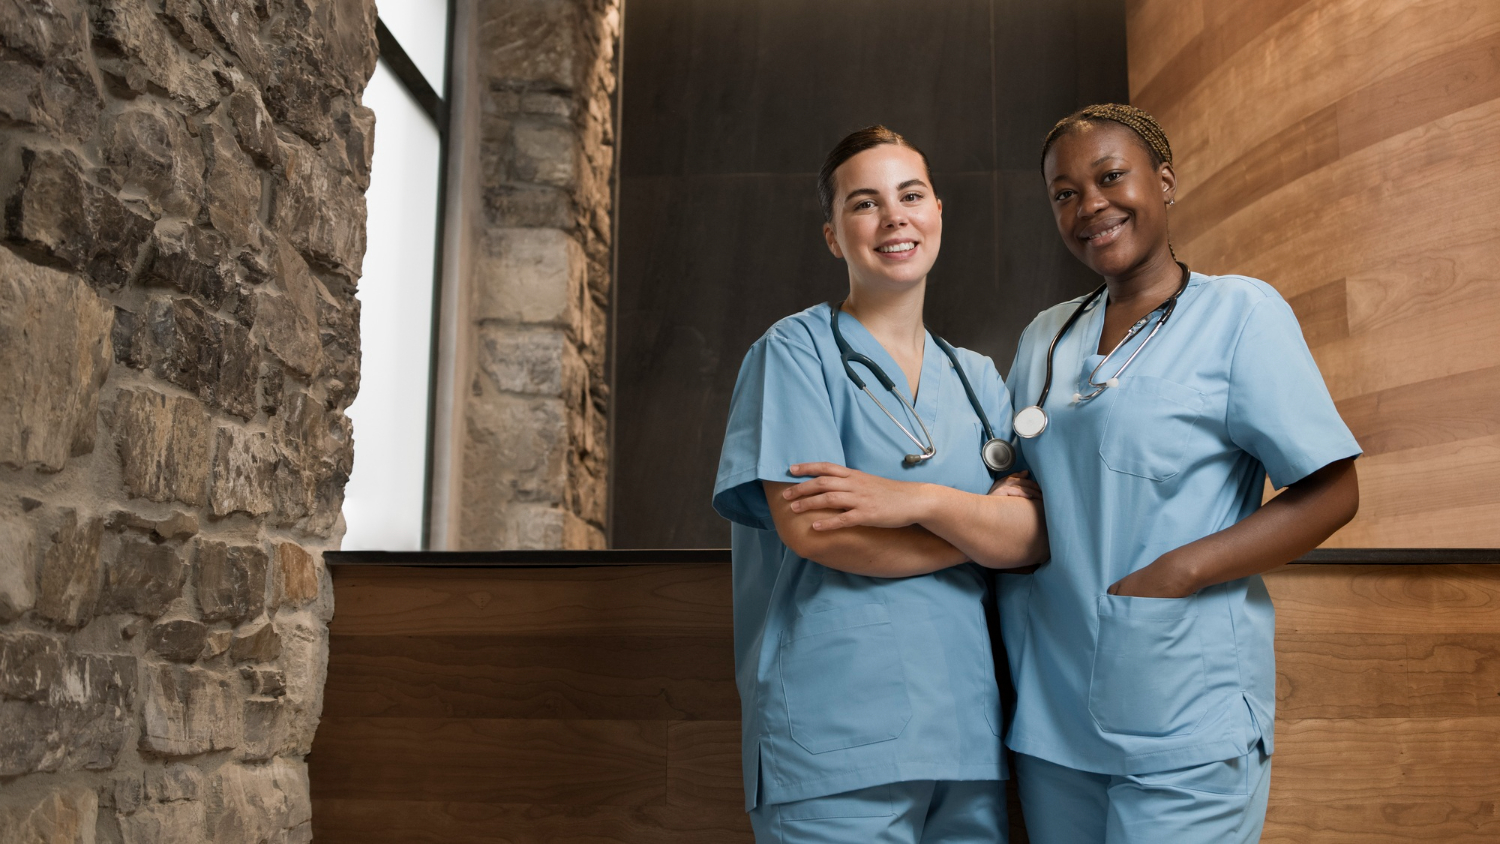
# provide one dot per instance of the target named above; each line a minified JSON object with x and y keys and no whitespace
{"x":1181,"y":572}
{"x":926,"y":501}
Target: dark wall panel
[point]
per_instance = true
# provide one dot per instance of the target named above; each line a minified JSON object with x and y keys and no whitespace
{"x":729,"y":107}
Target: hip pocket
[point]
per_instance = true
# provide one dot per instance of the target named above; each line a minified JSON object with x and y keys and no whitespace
{"x":843,"y":680}
{"x":1150,"y":424}
{"x":1148,"y":677}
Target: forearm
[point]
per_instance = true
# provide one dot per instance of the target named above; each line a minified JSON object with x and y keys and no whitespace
{"x":1285,"y":528}
{"x":871,"y":551}
{"x":996,"y":531}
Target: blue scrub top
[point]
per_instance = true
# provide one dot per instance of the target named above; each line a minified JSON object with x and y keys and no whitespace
{"x":849,"y":681}
{"x":1225,"y":394}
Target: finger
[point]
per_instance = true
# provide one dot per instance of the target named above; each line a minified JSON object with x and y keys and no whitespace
{"x":805,"y":469}
{"x":842,"y":520}
{"x":813,"y":487}
{"x":826,"y":501}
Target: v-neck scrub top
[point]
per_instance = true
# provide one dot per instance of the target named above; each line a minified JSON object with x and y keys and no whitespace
{"x":1226,"y":394}
{"x":848,"y":681}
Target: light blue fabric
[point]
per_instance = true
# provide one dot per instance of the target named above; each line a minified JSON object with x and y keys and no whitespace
{"x":1224,"y":393}
{"x":894,"y":813}
{"x":1214,"y":803}
{"x":847,"y":681}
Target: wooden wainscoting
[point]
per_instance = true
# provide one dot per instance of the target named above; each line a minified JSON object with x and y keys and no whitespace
{"x":597,"y":704}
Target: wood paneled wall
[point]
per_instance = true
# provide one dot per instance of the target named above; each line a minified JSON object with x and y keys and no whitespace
{"x":1346,"y":152}
{"x":553,"y":706}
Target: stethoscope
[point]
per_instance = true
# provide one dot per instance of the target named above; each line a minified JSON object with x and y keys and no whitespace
{"x":998,"y":455}
{"x":1032,"y":421}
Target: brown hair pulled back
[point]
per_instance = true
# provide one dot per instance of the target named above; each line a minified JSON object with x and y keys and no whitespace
{"x":1137,"y":120}
{"x":853,"y":144}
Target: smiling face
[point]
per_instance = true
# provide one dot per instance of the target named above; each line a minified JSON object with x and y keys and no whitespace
{"x":887,"y":224}
{"x":1109,"y":198}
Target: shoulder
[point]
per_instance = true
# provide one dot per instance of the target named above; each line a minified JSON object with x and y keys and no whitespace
{"x":1235,"y":290}
{"x":1046,"y":323}
{"x":977,"y":366}
{"x":801,"y":330}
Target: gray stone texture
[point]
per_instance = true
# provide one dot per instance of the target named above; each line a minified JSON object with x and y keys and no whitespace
{"x":535,"y":449}
{"x":181,"y":184}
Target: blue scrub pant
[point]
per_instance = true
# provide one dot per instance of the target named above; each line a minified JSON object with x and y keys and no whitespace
{"x":1217,"y":803}
{"x":895,"y":813}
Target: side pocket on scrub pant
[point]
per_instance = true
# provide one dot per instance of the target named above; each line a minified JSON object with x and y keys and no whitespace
{"x":1150,"y":424}
{"x":842,"y":676}
{"x":1148,"y":678}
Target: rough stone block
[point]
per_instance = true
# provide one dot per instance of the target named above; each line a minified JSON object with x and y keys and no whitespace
{"x":257,"y":642}
{"x":18,"y":551}
{"x":157,"y":159}
{"x":231,"y":581}
{"x":142,"y":577}
{"x":523,"y":359}
{"x":319,"y":210}
{"x":322,"y":50}
{"x":253,"y":127}
{"x":67,"y":815}
{"x":201,"y":353}
{"x":304,"y":661}
{"x":296,"y":577}
{"x":61,"y":98}
{"x":178,"y":640}
{"x":254,"y":803}
{"x":528,"y":206}
{"x":177,"y":781}
{"x":61,"y":710}
{"x":217,"y":643}
{"x":165,"y":823}
{"x":54,"y":357}
{"x":177,"y":525}
{"x":546,"y":152}
{"x":142,"y":53}
{"x":190,"y":711}
{"x":290,"y":334}
{"x":163,"y":445}
{"x":71,"y":573}
{"x":44,"y":30}
{"x":531,"y":276}
{"x":81,"y":223}
{"x":531,"y":42}
{"x":358,"y":129}
{"x":244,"y":471}
{"x":234,"y":187}
{"x":317,"y":455}
{"x":192,"y":259}
{"x":515,"y":450}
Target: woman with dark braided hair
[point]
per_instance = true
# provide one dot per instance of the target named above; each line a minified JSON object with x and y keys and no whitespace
{"x":1151,"y":413}
{"x":1142,"y":652}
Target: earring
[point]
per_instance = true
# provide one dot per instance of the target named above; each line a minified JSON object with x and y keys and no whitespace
{"x":1171,"y":202}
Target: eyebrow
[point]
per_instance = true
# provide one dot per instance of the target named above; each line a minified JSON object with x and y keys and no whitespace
{"x":873,"y":192}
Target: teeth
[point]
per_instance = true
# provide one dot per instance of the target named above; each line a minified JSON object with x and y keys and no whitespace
{"x":897,"y":247}
{"x":1110,"y":230}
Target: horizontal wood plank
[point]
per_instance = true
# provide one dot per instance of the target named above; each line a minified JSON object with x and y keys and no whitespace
{"x":1381,"y":599}
{"x":682,"y":599}
{"x":1393,"y":822}
{"x":566,"y":676}
{"x":572,"y":763}
{"x":703,"y":764}
{"x":1384,"y":675}
{"x":1385,"y":760}
{"x":362,"y":821}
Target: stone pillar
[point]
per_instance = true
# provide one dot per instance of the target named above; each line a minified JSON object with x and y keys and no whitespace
{"x":184,"y":216}
{"x":535,"y":445}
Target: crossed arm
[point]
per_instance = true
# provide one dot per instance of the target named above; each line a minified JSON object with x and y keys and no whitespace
{"x":864,"y":524}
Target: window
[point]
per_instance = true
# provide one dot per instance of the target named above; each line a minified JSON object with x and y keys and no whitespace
{"x":386,"y":500}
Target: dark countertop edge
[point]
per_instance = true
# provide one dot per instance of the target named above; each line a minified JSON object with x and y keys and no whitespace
{"x":690,"y":556}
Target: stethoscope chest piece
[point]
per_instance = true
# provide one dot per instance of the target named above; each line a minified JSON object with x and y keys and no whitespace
{"x":1030,"y":422}
{"x":998,"y":455}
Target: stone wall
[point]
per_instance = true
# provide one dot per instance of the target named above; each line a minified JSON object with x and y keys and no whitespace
{"x":183,"y":225}
{"x":535,"y":441}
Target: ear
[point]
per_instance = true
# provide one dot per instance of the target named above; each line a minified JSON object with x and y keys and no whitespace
{"x":1168,"y":182}
{"x":833,"y":244}
{"x":940,"y":207}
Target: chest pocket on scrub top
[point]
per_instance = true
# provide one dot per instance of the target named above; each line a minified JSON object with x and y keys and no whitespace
{"x":1150,"y":424}
{"x":843,"y":679}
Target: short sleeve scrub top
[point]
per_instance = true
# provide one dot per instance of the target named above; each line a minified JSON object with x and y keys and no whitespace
{"x":847,"y":681}
{"x":1225,"y":395}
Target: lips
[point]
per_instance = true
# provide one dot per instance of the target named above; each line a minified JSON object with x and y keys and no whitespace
{"x":1104,"y":232}
{"x":896,"y":247}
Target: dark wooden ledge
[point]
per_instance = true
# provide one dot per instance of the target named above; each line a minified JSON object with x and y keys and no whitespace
{"x":699,"y":556}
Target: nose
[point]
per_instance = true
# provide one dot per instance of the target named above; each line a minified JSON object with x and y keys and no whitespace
{"x":894,"y":217}
{"x":1092,"y":202}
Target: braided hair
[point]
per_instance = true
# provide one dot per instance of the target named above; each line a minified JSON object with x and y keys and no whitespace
{"x":1137,"y":120}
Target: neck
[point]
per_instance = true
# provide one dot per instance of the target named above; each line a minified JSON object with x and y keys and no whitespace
{"x":892,"y":315}
{"x":1152,"y":280}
